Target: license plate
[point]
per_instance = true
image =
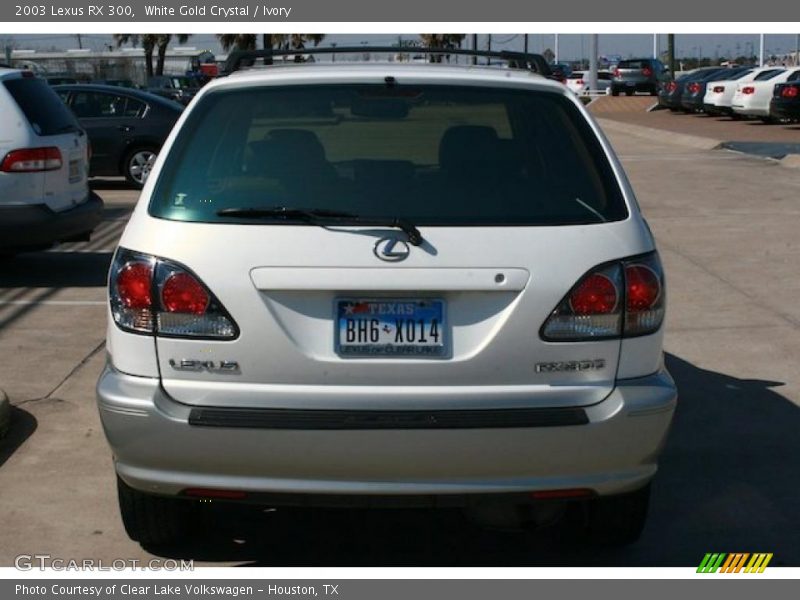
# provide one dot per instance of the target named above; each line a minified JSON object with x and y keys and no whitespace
{"x":74,"y":171}
{"x":390,"y":327}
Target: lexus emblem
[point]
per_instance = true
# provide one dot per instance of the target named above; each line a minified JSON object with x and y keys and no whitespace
{"x":391,"y":249}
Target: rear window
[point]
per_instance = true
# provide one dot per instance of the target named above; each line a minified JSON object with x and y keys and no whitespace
{"x":44,"y":110}
{"x":633,"y":64}
{"x":768,"y":74}
{"x":434,"y":155}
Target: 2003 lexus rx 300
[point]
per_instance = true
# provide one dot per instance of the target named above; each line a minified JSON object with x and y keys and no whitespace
{"x":386,"y":283}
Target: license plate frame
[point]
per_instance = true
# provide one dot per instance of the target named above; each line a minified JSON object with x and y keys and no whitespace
{"x":388,"y":311}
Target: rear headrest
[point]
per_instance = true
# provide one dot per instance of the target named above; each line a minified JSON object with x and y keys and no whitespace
{"x":465,"y":145}
{"x":299,"y":143}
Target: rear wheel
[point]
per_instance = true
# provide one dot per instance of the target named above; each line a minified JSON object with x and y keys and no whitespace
{"x":614,"y":92}
{"x":616,"y":520}
{"x":154,"y":520}
{"x":768,"y":120}
{"x":629,"y":92}
{"x":137,"y":164}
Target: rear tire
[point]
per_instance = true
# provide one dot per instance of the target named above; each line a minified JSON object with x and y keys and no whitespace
{"x":616,"y":520}
{"x":629,"y":92}
{"x":614,"y":92}
{"x":154,"y":520}
{"x":137,"y":164}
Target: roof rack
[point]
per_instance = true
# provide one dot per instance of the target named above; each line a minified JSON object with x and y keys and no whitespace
{"x":516,"y":60}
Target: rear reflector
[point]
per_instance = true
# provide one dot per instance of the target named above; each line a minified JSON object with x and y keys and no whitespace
{"x":30,"y":160}
{"x":211,"y":493}
{"x":151,"y":295}
{"x":562,"y":494}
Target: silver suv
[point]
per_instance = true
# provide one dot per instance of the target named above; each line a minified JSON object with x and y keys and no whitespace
{"x":390,"y":283}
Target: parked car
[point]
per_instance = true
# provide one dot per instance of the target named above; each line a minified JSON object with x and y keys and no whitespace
{"x":639,"y":75}
{"x":125,"y":83}
{"x":578,"y":82}
{"x":695,"y":91}
{"x":753,"y":99}
{"x":44,"y":194}
{"x":560,"y":71}
{"x":785,"y":103}
{"x":177,"y":88}
{"x":670,"y":93}
{"x":719,"y":94}
{"x":301,"y":313}
{"x":126,"y":127}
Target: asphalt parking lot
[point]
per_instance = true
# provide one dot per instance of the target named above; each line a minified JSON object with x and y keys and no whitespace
{"x":727,"y":230}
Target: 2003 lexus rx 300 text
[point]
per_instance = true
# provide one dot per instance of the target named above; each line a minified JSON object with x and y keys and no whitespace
{"x":386,"y":283}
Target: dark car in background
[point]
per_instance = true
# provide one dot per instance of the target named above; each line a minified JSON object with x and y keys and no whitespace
{"x":785,"y":103}
{"x":695,"y":90}
{"x":126,"y":127}
{"x":174,"y":87}
{"x":671,"y":92}
{"x":125,"y":83}
{"x":639,"y":75}
{"x":560,"y":71}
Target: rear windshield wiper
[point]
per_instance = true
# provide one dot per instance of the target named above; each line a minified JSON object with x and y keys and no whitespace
{"x":318,"y":216}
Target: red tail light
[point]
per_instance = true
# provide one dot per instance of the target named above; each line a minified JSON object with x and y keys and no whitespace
{"x":595,"y":295}
{"x":748,"y":90}
{"x":135,"y":284}
{"x":693,"y":87}
{"x":616,"y":73}
{"x":182,"y":293}
{"x":30,"y":160}
{"x":647,"y":71}
{"x":790,"y":92}
{"x":579,"y":82}
{"x":624,"y":298}
{"x":672,"y":86}
{"x":718,"y":89}
{"x":150,"y":295}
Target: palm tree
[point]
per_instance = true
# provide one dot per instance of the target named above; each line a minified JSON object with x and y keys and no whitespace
{"x":441,"y":40}
{"x":162,"y":41}
{"x":238,"y":41}
{"x":148,"y":42}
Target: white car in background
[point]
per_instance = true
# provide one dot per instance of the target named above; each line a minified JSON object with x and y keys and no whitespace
{"x":752,"y":99}
{"x":578,"y":82}
{"x":719,"y":94}
{"x":44,"y":154}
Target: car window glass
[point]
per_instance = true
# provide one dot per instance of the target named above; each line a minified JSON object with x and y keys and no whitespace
{"x":134,"y":108}
{"x":765,"y":75}
{"x":94,"y":105}
{"x":794,"y":76}
{"x":431,"y":154}
{"x":45,"y":112}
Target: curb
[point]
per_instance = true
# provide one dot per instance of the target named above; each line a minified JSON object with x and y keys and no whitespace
{"x":5,"y":414}
{"x":791,"y":161}
{"x":681,"y":139}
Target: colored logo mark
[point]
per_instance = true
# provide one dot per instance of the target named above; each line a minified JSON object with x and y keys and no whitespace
{"x":737,"y":562}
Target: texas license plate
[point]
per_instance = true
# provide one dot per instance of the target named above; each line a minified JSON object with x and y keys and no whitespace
{"x":390,"y":327}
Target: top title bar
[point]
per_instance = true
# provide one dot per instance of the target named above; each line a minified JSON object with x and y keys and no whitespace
{"x":462,"y":11}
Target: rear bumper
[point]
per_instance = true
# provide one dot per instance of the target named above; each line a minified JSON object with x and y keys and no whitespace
{"x":36,"y":226}
{"x":784,"y":110}
{"x":750,"y":111}
{"x":157,"y":450}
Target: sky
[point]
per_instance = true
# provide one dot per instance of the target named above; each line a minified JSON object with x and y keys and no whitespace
{"x":571,"y":46}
